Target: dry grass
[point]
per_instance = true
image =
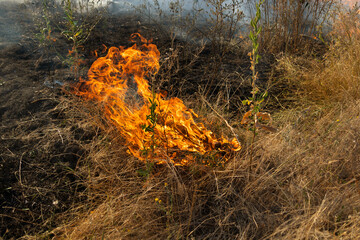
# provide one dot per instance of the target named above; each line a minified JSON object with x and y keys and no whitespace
{"x":304,"y":186}
{"x":304,"y":182}
{"x":335,"y":77}
{"x":288,"y":24}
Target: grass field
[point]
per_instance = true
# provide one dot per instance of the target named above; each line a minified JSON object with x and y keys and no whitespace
{"x":70,"y":170}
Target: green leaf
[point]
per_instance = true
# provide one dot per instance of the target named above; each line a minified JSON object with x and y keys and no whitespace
{"x":252,"y":23}
{"x":78,"y":33}
{"x":251,"y":35}
{"x":258,"y":31}
{"x":143,"y":173}
{"x":245,"y":102}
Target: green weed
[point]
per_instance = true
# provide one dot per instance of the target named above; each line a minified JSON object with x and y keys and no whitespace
{"x":254,"y":118}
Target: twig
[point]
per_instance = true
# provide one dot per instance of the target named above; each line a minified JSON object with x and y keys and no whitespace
{"x":20,"y":163}
{"x":18,"y":219}
{"x":12,"y":154}
{"x":62,"y":140}
{"x":226,"y":122}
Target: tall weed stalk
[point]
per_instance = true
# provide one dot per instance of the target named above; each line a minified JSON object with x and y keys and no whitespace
{"x":254,"y":119}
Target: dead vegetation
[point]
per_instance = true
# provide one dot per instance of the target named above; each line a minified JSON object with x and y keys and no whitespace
{"x":304,"y":185}
{"x":301,"y":182}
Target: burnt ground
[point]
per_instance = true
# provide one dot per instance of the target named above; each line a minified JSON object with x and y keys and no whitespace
{"x":41,"y":145}
{"x":36,"y":166}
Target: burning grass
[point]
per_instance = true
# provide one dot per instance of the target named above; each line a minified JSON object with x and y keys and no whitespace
{"x":154,"y":128}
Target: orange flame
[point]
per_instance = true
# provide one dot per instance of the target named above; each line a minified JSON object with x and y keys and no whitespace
{"x":118,"y":82}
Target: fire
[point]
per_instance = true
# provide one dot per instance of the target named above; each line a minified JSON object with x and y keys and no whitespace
{"x":154,"y":128}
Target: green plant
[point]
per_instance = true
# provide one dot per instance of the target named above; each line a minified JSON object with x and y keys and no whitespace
{"x":44,"y":35}
{"x":76,"y":28}
{"x":147,"y":171}
{"x":152,"y":118}
{"x":254,"y":118}
{"x":77,"y":31}
{"x":150,"y":128}
{"x":254,"y":55}
{"x":74,"y":32}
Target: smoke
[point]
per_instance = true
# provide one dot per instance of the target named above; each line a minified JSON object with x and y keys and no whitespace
{"x":158,"y":7}
{"x":116,"y":6}
{"x":159,"y":10}
{"x":10,"y":26}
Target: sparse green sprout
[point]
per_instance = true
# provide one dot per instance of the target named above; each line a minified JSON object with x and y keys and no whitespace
{"x":44,"y":36}
{"x":254,"y":119}
{"x":254,"y":36}
{"x":152,"y":118}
